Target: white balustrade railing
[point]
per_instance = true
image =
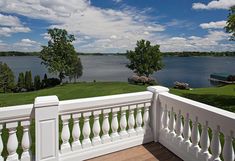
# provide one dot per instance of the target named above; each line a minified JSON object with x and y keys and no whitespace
{"x":10,"y":119}
{"x":104,"y":124}
{"x":191,"y":144}
{"x":96,"y":126}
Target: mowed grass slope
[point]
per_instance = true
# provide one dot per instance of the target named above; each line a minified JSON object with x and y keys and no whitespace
{"x":71,"y":91}
{"x":222,"y":97}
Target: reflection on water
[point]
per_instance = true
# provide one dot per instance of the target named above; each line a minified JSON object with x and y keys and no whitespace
{"x":192,"y":70}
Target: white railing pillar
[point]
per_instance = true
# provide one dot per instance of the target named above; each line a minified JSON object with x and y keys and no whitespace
{"x":155,"y":110}
{"x":26,"y":141}
{"x":47,"y":127}
{"x":12,"y":143}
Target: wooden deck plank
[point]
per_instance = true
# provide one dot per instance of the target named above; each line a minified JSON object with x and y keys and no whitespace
{"x":147,"y":152}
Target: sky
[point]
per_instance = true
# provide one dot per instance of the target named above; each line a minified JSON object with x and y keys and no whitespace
{"x":109,"y":26}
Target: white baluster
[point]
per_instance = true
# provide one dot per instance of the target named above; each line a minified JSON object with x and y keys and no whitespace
{"x":1,"y":143}
{"x":105,"y":127}
{"x":76,"y":132}
{"x":215,"y":145}
{"x":123,"y":123}
{"x":65,"y":135}
{"x":26,"y":142}
{"x":186,"y":133}
{"x":172,"y":125}
{"x":96,"y":128}
{"x":131,"y":121}
{"x":228,"y":152}
{"x":114,"y":125}
{"x":139,"y":120}
{"x":147,"y":129}
{"x":179,"y":129}
{"x":204,"y":154}
{"x":86,"y":130}
{"x":194,"y":148}
{"x":165,"y":121}
{"x":12,"y":143}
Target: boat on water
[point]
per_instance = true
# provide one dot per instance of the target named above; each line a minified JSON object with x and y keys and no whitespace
{"x":224,"y":78}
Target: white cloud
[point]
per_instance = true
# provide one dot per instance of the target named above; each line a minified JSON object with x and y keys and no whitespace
{"x":22,"y":45}
{"x":215,"y":4}
{"x":11,"y":24}
{"x":105,"y":30}
{"x":213,"y":41}
{"x":7,"y":31}
{"x":10,"y":21}
{"x":27,"y":43}
{"x":213,"y":25}
{"x":117,"y":1}
{"x":82,"y":19}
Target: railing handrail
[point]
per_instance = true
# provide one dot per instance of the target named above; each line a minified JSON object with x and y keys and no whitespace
{"x":16,"y":113}
{"x":103,"y":102}
{"x":215,"y":116}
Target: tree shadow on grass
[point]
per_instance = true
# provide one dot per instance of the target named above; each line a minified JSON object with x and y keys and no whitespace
{"x":220,"y":101}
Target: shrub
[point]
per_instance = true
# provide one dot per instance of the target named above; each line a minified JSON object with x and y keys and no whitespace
{"x":37,"y":82}
{"x":28,"y":81}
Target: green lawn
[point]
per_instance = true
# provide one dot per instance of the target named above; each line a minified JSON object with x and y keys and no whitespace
{"x":222,"y":97}
{"x":71,"y":91}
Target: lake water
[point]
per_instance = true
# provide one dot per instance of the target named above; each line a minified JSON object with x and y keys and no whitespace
{"x":192,"y":70}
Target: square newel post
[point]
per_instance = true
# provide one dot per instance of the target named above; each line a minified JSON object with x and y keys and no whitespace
{"x":155,"y":110}
{"x":47,"y":128}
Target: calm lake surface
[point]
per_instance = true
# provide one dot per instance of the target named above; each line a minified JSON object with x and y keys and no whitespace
{"x":192,"y":70}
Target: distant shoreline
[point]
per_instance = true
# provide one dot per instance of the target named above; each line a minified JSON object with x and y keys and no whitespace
{"x":165,"y":54}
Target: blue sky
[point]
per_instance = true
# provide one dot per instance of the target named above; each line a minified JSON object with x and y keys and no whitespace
{"x":116,"y":25}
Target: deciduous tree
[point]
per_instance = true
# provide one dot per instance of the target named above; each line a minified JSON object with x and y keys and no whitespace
{"x":230,"y":26}
{"x":145,"y":59}
{"x":59,"y":53}
{"x":6,"y":78}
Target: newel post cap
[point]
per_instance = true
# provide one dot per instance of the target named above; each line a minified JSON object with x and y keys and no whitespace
{"x":46,"y":101}
{"x":157,"y":89}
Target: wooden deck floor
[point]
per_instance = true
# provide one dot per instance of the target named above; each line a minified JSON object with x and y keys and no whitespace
{"x":147,"y":152}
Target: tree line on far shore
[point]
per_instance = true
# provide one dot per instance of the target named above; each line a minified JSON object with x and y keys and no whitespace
{"x":177,"y":54}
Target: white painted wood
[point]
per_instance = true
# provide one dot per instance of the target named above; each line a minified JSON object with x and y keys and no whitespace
{"x":86,"y":130}
{"x":146,"y":119}
{"x":76,"y":132}
{"x":16,"y":113}
{"x":104,"y":102}
{"x":1,"y":143}
{"x":123,"y":123}
{"x":228,"y":151}
{"x":65,"y":134}
{"x":139,"y":120}
{"x":96,"y":140}
{"x":215,"y":145}
{"x":26,"y":142}
{"x":105,"y":138}
{"x":172,"y":125}
{"x":46,"y":128}
{"x":165,"y":121}
{"x":12,"y":143}
{"x":114,"y":125}
{"x":195,"y":137}
{"x":156,"y":110}
{"x":204,"y":154}
{"x":202,"y":111}
{"x":131,"y":121}
{"x":179,"y":129}
{"x":186,"y":134}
